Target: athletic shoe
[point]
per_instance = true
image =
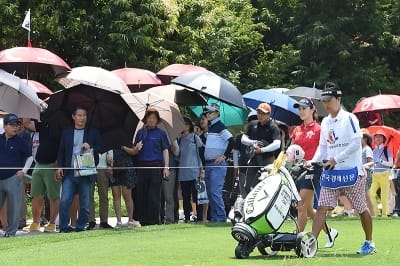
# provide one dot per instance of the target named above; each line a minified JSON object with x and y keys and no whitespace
{"x":69,"y":229}
{"x":118,"y":225}
{"x":105,"y":225}
{"x":33,"y":227}
{"x":193,"y":218}
{"x":134,"y":223}
{"x":334,"y":234}
{"x":367,"y":248}
{"x":91,"y":226}
{"x":50,"y":228}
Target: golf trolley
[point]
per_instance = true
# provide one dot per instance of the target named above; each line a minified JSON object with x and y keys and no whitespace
{"x":257,"y":218}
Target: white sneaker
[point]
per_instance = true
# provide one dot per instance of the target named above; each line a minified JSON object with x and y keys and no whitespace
{"x":334,"y":234}
{"x":118,"y":225}
{"x":134,"y":223}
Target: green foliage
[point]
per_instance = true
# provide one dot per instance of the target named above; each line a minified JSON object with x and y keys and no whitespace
{"x":343,"y":41}
{"x":254,"y":44}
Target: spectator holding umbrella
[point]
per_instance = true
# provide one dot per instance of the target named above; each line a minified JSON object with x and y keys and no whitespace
{"x":383,"y":158}
{"x":75,"y":140}
{"x":151,"y":148}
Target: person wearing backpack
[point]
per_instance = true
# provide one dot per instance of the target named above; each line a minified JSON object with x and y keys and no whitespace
{"x":383,"y":159}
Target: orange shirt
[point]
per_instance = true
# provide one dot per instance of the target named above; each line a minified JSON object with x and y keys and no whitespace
{"x":307,"y":137}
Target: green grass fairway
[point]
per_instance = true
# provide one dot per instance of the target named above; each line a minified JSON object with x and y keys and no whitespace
{"x":192,"y":244}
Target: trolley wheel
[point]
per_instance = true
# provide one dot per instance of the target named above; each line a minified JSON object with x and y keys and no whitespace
{"x":306,"y":245}
{"x":241,"y":251}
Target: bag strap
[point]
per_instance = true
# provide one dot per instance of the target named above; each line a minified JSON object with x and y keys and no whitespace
{"x":385,"y":152}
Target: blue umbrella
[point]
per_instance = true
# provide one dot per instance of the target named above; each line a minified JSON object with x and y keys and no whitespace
{"x":281,"y":105}
{"x":230,"y":115}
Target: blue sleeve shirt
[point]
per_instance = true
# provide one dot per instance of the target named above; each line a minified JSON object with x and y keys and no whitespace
{"x":379,"y":155}
{"x":13,"y":153}
{"x":217,"y":140}
{"x":154,"y":141}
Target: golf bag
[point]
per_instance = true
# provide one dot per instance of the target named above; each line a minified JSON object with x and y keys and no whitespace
{"x":257,"y":218}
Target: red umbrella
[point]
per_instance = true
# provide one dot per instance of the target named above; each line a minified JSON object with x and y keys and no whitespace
{"x":377,"y":103}
{"x":41,"y":90}
{"x":24,"y":60}
{"x":392,"y":137}
{"x":175,"y":70}
{"x":137,"y":79}
{"x":39,"y":87}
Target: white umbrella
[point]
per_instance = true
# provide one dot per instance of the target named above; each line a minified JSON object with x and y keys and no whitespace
{"x":171,"y":117}
{"x":94,"y":77}
{"x":17,"y":97}
{"x":280,"y":90}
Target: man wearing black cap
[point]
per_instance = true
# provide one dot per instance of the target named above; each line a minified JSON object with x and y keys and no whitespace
{"x":13,"y":155}
{"x":340,"y":145}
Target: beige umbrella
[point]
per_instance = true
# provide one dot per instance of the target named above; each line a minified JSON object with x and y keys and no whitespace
{"x":179,"y":95}
{"x":171,"y":117}
{"x":17,"y":97}
{"x":94,"y":77}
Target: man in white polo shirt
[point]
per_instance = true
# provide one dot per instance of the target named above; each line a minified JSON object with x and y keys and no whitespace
{"x":340,"y":145}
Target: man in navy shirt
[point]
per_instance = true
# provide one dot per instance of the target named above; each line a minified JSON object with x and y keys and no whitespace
{"x":13,"y":155}
{"x":151,"y":151}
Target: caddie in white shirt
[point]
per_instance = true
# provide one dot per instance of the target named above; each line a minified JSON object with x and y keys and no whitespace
{"x":340,"y":146}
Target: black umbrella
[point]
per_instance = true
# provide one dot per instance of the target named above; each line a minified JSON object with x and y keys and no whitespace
{"x":107,"y":112}
{"x":212,"y":85}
